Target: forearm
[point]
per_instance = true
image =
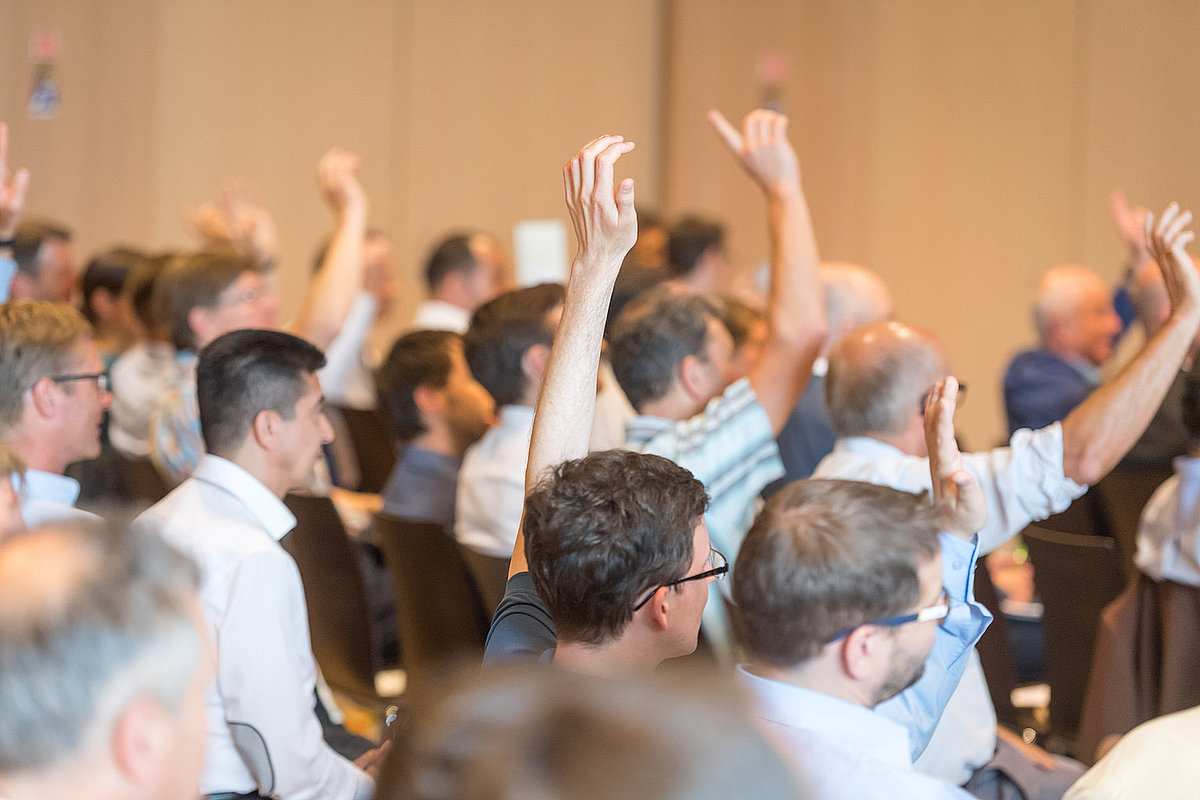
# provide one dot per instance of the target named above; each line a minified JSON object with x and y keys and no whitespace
{"x":337,"y":282}
{"x":1098,"y":433}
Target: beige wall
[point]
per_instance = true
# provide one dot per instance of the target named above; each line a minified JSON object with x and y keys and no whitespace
{"x":957,"y":148}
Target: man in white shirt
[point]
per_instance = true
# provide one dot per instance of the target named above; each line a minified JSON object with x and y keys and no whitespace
{"x":846,"y":595}
{"x":52,"y":401}
{"x":507,"y":348}
{"x":103,"y":666}
{"x":262,"y":417}
{"x":463,"y":272}
{"x":878,"y":377}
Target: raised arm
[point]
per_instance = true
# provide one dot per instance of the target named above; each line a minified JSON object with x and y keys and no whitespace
{"x":606,"y":228}
{"x":1098,"y":433}
{"x":238,"y":220}
{"x":959,"y":499}
{"x":12,"y":190}
{"x":333,"y":288}
{"x":795,"y":308}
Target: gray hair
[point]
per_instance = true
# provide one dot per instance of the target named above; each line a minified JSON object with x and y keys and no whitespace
{"x":110,"y":616}
{"x":877,"y":376}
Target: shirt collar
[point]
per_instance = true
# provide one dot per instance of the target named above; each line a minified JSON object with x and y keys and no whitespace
{"x":47,"y":487}
{"x":269,"y":510}
{"x":515,"y":416}
{"x":867,"y":446}
{"x":851,"y":727}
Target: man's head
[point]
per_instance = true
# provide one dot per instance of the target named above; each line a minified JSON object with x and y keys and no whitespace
{"x":1074,"y":315}
{"x":673,"y":347}
{"x":854,"y":296}
{"x":747,"y":326}
{"x":53,"y":390}
{"x":424,"y":385}
{"x":379,"y":268}
{"x":508,"y":342}
{"x":696,"y":252}
{"x":261,"y":405}
{"x":878,"y":377}
{"x":613,"y":531}
{"x":823,"y":564}
{"x":467,"y":270}
{"x":103,"y":665}
{"x":45,"y":262}
{"x":211,"y":292}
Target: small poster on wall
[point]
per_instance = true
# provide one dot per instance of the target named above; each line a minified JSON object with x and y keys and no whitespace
{"x":45,"y":94}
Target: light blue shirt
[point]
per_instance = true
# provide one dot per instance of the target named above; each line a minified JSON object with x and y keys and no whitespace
{"x":46,"y":497}
{"x":8,"y":270}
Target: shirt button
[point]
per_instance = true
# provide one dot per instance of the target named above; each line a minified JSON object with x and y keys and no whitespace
{"x":957,"y":565}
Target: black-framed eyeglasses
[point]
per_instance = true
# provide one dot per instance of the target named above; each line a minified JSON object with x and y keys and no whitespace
{"x":101,"y":379}
{"x":962,"y":395}
{"x":718,"y":563}
{"x":936,"y":612}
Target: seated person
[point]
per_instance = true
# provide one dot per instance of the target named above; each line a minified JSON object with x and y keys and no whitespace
{"x":463,"y":272}
{"x":52,"y":402}
{"x":507,"y":348}
{"x":436,"y":410}
{"x":845,"y":595}
{"x":1076,"y":327}
{"x":104,"y":301}
{"x":46,"y":267}
{"x":103,"y":667}
{"x":1152,"y":760}
{"x":262,"y":417}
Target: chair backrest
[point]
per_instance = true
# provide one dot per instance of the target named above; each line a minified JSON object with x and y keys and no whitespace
{"x":373,"y":447}
{"x":490,"y":574}
{"x":1123,"y":493}
{"x":1075,"y":576}
{"x":442,"y":618}
{"x":335,"y":594}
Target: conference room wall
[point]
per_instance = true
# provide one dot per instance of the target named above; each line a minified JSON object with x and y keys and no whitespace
{"x":957,"y":148}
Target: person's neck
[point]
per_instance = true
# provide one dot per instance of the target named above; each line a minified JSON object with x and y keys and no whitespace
{"x":39,"y":453}
{"x":255,"y":462}
{"x":437,"y":440}
{"x":817,"y":676}
{"x":676,"y":405}
{"x":609,"y":659}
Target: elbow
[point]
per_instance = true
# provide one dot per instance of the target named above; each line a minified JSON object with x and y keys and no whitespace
{"x":1083,"y":466}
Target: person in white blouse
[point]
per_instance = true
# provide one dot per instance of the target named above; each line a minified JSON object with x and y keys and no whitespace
{"x":262,"y":417}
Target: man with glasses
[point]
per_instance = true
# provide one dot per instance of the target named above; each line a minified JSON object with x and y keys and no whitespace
{"x":877,"y":376}
{"x":611,"y":567}
{"x":847,"y":594}
{"x":53,"y":395}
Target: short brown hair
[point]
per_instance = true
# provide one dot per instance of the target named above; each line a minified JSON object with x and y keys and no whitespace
{"x":36,"y":340}
{"x":196,"y":281}
{"x":824,"y":556}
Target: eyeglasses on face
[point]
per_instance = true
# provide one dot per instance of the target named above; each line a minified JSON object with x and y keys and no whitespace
{"x":100,"y":378}
{"x":936,"y":612}
{"x":719,"y":569}
{"x":247,"y":296}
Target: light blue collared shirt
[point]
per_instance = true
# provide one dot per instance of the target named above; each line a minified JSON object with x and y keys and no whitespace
{"x":46,"y":497}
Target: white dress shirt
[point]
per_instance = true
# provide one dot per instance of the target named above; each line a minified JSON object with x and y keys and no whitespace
{"x":346,"y":379}
{"x":438,"y":315}
{"x":45,"y":497}
{"x":491,"y":484}
{"x":1156,"y":759}
{"x":1168,"y":540}
{"x":1022,"y":483}
{"x":262,"y":733}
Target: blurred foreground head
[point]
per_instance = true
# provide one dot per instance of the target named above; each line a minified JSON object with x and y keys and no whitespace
{"x":551,"y":734}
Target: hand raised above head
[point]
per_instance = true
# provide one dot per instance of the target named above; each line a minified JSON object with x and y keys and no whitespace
{"x":958,"y":497}
{"x":761,"y":147}
{"x":339,"y":184}
{"x":12,"y":190}
{"x":603,"y":214}
{"x":1168,"y":238}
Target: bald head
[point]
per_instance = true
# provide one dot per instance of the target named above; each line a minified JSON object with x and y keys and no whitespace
{"x":854,"y":296}
{"x":1074,"y":314}
{"x":878,"y":375}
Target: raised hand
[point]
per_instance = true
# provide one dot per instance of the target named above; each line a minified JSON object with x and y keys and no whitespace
{"x":238,"y":220}
{"x":12,"y":190}
{"x":1168,"y":241}
{"x":1131,"y":224}
{"x":761,"y":147}
{"x":604,"y":218}
{"x":339,"y":184}
{"x":959,"y":499}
